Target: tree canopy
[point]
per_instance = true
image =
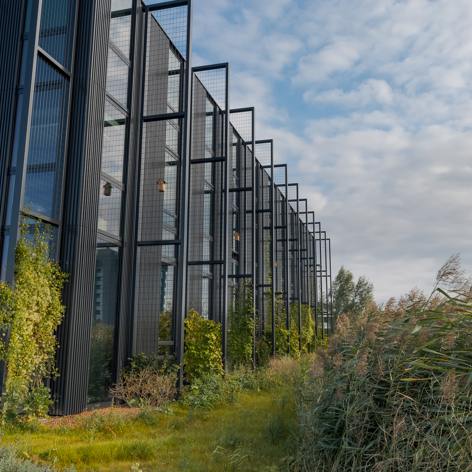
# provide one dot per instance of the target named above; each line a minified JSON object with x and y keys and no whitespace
{"x":349,"y":296}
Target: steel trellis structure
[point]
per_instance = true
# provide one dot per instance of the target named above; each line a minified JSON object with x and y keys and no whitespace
{"x":159,"y":195}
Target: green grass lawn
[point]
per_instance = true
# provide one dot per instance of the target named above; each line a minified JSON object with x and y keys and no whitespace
{"x":252,"y":434}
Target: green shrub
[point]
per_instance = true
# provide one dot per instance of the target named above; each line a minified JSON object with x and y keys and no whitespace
{"x":203,"y":355}
{"x":393,"y":392}
{"x":241,"y":325}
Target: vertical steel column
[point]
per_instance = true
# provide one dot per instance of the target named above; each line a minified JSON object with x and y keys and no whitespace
{"x":326,"y":283}
{"x":138,"y":170}
{"x":288,"y":286}
{"x":315,"y":278}
{"x":330,"y":287}
{"x":184,"y":215}
{"x":272,"y":240}
{"x":226,"y":261}
{"x":299,"y":234}
{"x":321,"y":278}
{"x":254,"y":239}
{"x":23,"y":142}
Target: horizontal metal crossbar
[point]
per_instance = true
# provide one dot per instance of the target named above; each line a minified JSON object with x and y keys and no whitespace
{"x":166,"y":5}
{"x":210,"y":159}
{"x":223,"y":65}
{"x":206,"y":262}
{"x":168,"y":242}
{"x":163,"y":117}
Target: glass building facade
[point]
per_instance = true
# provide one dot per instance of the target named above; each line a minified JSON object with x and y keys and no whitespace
{"x":102,"y":108}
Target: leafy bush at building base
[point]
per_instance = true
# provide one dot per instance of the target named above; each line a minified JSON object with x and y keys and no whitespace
{"x":203,"y":355}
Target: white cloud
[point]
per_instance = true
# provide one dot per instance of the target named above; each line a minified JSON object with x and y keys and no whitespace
{"x":370,"y":91}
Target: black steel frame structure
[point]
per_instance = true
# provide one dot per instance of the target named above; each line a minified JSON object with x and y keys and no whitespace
{"x":129,"y":110}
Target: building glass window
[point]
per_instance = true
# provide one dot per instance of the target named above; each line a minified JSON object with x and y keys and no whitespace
{"x":103,"y":323}
{"x":5,"y":245}
{"x":16,"y":139}
{"x":43,"y":186}
{"x":56,"y":34}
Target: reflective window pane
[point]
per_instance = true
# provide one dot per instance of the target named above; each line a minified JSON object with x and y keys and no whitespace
{"x":11,"y":190}
{"x":6,"y":242}
{"x":103,"y":324}
{"x":44,"y":171}
{"x":56,"y":35}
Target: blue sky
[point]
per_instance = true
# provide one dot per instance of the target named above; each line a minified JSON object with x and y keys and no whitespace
{"x":370,"y":104}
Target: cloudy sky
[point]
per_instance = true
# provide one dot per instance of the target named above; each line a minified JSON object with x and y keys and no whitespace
{"x":370,"y":104}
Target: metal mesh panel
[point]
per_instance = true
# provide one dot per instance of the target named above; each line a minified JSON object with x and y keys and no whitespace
{"x":206,"y":218}
{"x":159,"y":211}
{"x":165,"y":71}
{"x":214,"y":82}
{"x":156,"y":292}
{"x":293,"y":197}
{"x":109,"y":210}
{"x":242,"y":123}
{"x":174,"y":23}
{"x":117,"y":78}
{"x":120,"y":33}
{"x":113,"y":142}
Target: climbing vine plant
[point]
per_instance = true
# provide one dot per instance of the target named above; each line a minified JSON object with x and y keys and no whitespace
{"x":29,"y":317}
{"x":241,"y":322}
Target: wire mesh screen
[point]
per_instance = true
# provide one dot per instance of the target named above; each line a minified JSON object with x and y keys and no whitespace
{"x":120,"y":33}
{"x":159,"y":211}
{"x":280,"y":222}
{"x":293,"y":245}
{"x":243,"y":124}
{"x":279,"y":176}
{"x":156,"y":292}
{"x":214,"y":81}
{"x":165,"y":71}
{"x":174,"y":22}
{"x":206,"y":217}
{"x":293,"y":197}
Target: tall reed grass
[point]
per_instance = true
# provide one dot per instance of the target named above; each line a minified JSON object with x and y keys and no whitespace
{"x":393,"y":391}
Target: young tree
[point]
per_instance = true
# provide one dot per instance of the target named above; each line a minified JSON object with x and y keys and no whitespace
{"x":343,"y":290}
{"x":350,"y":297}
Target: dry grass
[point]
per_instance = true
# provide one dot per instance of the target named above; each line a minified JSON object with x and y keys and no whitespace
{"x":146,"y":387}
